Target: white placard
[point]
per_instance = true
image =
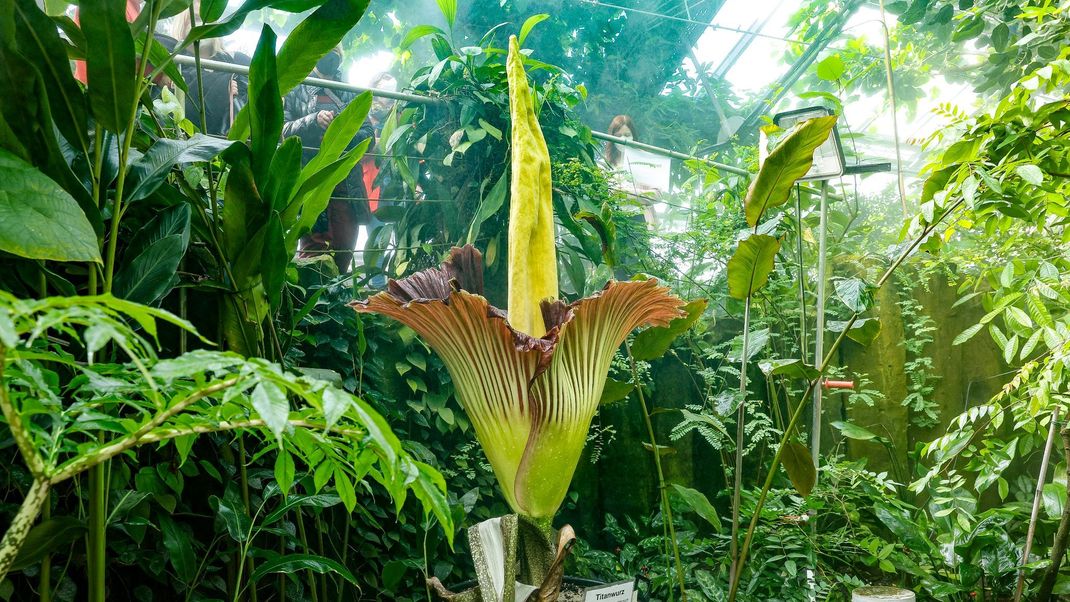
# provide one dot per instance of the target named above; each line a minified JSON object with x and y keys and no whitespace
{"x":642,"y":171}
{"x":623,"y":591}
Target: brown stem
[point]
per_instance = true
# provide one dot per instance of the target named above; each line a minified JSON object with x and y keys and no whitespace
{"x":1058,"y":548}
{"x":20,"y":526}
{"x":109,"y":451}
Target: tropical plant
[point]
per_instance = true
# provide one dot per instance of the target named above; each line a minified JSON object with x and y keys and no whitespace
{"x":530,"y":380}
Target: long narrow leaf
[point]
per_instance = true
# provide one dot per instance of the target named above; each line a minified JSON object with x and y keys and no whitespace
{"x":111,"y":64}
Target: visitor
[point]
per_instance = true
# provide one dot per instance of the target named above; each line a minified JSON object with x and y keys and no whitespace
{"x":627,"y":176}
{"x":621,"y":126}
{"x":224,"y":93}
{"x":308,"y":112}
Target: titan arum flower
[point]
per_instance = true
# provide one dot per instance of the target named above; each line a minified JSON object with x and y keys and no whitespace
{"x":530,"y":380}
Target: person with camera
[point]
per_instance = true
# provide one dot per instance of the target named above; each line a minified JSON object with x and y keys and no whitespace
{"x":308,"y":111}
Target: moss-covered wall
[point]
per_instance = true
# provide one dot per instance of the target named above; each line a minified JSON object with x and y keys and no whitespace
{"x":968,"y":374}
{"x":624,"y":482}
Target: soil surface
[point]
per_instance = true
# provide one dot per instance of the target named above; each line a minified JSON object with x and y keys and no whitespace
{"x":570,"y":593}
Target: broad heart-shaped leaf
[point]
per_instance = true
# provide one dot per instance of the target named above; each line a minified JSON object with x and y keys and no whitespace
{"x":150,"y":169}
{"x":291,"y":563}
{"x":111,"y":65}
{"x":751,"y":264}
{"x":799,"y":466}
{"x":38,"y":40}
{"x":38,"y":219}
{"x":314,"y":37}
{"x":149,"y":276}
{"x":653,"y":342}
{"x":788,"y":162}
{"x":265,"y":105}
{"x":863,"y":332}
{"x":855,"y":293}
{"x":47,"y":537}
{"x":701,"y":505}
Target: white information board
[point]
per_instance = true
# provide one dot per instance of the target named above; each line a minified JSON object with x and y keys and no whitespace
{"x":623,"y":591}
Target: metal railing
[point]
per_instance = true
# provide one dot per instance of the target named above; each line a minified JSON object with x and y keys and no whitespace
{"x":407,"y":97}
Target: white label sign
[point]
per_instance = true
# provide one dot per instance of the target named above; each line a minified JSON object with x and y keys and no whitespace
{"x":614,"y":592}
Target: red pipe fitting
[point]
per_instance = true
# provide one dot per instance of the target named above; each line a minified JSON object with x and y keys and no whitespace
{"x":839,"y":384}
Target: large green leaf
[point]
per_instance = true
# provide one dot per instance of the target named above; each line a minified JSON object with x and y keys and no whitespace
{"x":175,"y":220}
{"x":111,"y":64}
{"x":489,"y":204}
{"x":292,"y":563}
{"x":853,"y":431}
{"x":27,"y":130}
{"x":149,"y":276}
{"x":751,"y":264}
{"x":863,"y":331}
{"x":339,"y":135}
{"x":799,"y":466}
{"x":160,"y":56}
{"x":265,"y":105}
{"x":700,"y":504}
{"x":285,"y":169}
{"x":314,"y":37}
{"x":271,"y":404}
{"x":179,"y":547}
{"x":49,"y":536}
{"x":792,"y":368}
{"x":317,"y":500}
{"x":212,"y":10}
{"x":235,"y":520}
{"x":274,"y":260}
{"x":315,"y":192}
{"x":233,"y":22}
{"x":38,"y":40}
{"x":150,"y":169}
{"x":653,"y":342}
{"x":38,"y":219}
{"x":855,"y":293}
{"x":788,"y":162}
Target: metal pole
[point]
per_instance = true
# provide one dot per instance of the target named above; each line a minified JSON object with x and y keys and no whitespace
{"x":657,"y":150}
{"x":313,"y":81}
{"x":819,"y":327}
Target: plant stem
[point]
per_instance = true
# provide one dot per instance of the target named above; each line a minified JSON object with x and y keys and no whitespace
{"x":666,"y":507}
{"x":1037,"y":496}
{"x":1058,"y":547}
{"x":300,"y":520}
{"x":810,"y":389}
{"x":44,"y":587}
{"x":248,"y":512}
{"x":20,"y":526}
{"x":741,"y":416}
{"x":98,"y":492}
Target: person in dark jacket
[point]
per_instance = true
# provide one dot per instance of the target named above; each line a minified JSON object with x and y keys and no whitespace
{"x":308,"y":111}
{"x":224,"y":93}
